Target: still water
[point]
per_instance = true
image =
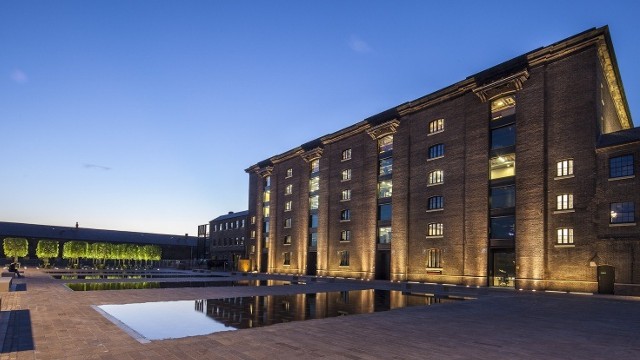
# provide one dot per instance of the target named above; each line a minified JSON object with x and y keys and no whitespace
{"x":97,"y":286}
{"x":200,"y":317}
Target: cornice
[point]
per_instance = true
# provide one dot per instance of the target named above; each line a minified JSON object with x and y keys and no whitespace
{"x":311,"y":155}
{"x":436,"y":98}
{"x":503,"y":86}
{"x":613,"y":84}
{"x":265,"y":171}
{"x":383,"y":129}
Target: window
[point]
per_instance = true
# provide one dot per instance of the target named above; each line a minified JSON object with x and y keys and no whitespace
{"x":502,"y":107}
{"x":564,"y":202}
{"x":265,"y":226}
{"x":385,"y":166}
{"x":346,"y":174}
{"x":315,"y":166}
{"x":314,"y":184}
{"x":435,"y":229}
{"x":345,"y":235}
{"x":620,"y":166}
{"x":623,"y":212}
{"x":565,"y":236}
{"x":345,"y":195}
{"x":313,"y":202}
{"x":385,"y":189}
{"x":503,"y":197}
{"x":435,"y":177}
{"x":237,"y":224}
{"x":266,"y":196}
{"x":435,"y":203}
{"x":436,"y":126}
{"x":503,"y":136}
{"x":345,"y":215}
{"x":287,"y":240}
{"x":287,"y":259}
{"x":384,"y":212}
{"x":253,"y":220}
{"x":433,"y":258}
{"x":252,"y":249}
{"x":287,"y":223}
{"x":384,"y":235}
{"x":436,"y":151}
{"x":344,"y":257}
{"x":253,"y":234}
{"x":215,"y":228}
{"x":502,"y":166}
{"x":313,"y":239}
{"x":503,"y":227}
{"x":564,"y":167}
{"x":267,"y":182}
{"x":346,"y":155}
{"x":385,"y":144}
{"x":289,"y":173}
{"x":288,"y":190}
{"x":287,"y":205}
{"x":265,"y":211}
{"x":242,"y":222}
{"x":313,"y":221}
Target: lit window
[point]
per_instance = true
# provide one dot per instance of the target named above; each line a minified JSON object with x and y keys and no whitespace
{"x":564,"y":202}
{"x":287,"y":223}
{"x":384,"y":212}
{"x":253,"y":220}
{"x":385,"y":166}
{"x":502,"y":107}
{"x":313,"y":202}
{"x":620,"y":166}
{"x":289,"y":173}
{"x":436,"y":126}
{"x":435,"y":177}
{"x":314,"y":184}
{"x":565,"y":236}
{"x":287,"y":205}
{"x":433,"y":258}
{"x":346,"y":155}
{"x":564,"y":167}
{"x":502,"y":197}
{"x":435,"y":203}
{"x":345,"y":235}
{"x":287,"y":240}
{"x":288,"y":190}
{"x":503,"y":227}
{"x":242,"y":222}
{"x":435,"y":229}
{"x":623,"y":212}
{"x":384,"y":235}
{"x":253,"y":234}
{"x":345,"y":215}
{"x":345,"y":195}
{"x":252,"y":249}
{"x":502,"y":166}
{"x":346,"y":174}
{"x":385,"y":189}
{"x":287,"y":259}
{"x":503,"y":136}
{"x":436,"y":151}
{"x":266,"y":196}
{"x":313,"y":239}
{"x":315,"y":166}
{"x":267,"y":181}
{"x":265,"y":211}
{"x":344,"y":257}
{"x":385,"y":144}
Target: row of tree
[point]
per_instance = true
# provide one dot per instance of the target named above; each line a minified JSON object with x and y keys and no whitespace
{"x":100,"y":252}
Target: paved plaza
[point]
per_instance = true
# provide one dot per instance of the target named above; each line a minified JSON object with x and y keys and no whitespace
{"x":44,"y":319}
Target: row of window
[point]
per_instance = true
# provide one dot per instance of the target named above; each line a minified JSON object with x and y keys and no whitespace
{"x":228,"y":241}
{"x":237,"y":224}
{"x":433,"y":258}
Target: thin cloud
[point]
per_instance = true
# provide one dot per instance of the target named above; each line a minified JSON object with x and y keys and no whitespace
{"x":19,"y":77}
{"x":94,"y":166}
{"x":358,"y":45}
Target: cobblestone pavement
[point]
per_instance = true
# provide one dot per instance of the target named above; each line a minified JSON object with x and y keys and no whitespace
{"x":46,"y":320}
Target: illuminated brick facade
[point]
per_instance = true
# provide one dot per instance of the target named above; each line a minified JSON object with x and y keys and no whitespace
{"x":502,"y":179}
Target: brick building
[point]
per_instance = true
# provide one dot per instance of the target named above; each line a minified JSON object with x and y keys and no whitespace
{"x":522,"y":175}
{"x":228,"y":234}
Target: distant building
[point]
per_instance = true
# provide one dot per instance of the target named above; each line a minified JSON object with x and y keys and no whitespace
{"x":228,"y":235}
{"x":523,"y":175}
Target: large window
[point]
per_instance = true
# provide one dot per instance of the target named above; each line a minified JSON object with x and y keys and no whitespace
{"x":345,"y":215}
{"x":503,"y":227}
{"x":287,"y":240}
{"x":502,"y":166}
{"x":345,"y":195}
{"x":267,"y":182}
{"x":266,"y":196}
{"x":384,"y":235}
{"x":564,"y":167}
{"x":385,"y":189}
{"x":313,"y":239}
{"x":344,"y":257}
{"x":502,"y":107}
{"x":287,"y":258}
{"x":436,"y":126}
{"x":620,"y":166}
{"x":565,"y":236}
{"x":503,"y":197}
{"x":385,"y":144}
{"x":435,"y":229}
{"x":384,"y":212}
{"x":345,"y":235}
{"x":346,"y":175}
{"x":385,"y":166}
{"x":503,"y":136}
{"x":313,"y":221}
{"x":433,"y":258}
{"x":435,"y":203}
{"x":315,"y":166}
{"x":564,"y":202}
{"x":346,"y":154}
{"x":435,"y":177}
{"x":623,"y":212}
{"x":313,"y":202}
{"x":265,"y":211}
{"x":314,"y":184}
{"x":436,"y":151}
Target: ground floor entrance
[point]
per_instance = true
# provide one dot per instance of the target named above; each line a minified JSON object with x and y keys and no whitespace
{"x":312,"y":263}
{"x":383,"y":265}
{"x":502,"y":267}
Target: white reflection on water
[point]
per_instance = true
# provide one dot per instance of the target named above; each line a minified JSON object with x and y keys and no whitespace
{"x":165,"y":319}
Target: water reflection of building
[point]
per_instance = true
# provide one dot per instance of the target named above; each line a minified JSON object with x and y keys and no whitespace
{"x":521,"y":175}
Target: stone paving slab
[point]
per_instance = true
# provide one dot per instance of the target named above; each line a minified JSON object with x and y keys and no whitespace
{"x":497,"y":325}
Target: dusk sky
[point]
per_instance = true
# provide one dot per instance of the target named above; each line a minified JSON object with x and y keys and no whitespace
{"x":143,"y":115}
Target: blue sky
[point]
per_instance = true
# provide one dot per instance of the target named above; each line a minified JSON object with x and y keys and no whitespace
{"x":143,"y":115}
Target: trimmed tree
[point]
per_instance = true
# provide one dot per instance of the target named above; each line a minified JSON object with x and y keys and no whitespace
{"x":74,"y":250}
{"x":47,"y":249}
{"x":15,"y":247}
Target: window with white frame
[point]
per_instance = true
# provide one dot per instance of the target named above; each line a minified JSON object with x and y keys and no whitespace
{"x":346,"y":175}
{"x":288,"y":190}
{"x":346,"y":154}
{"x":345,"y":235}
{"x":287,"y":205}
{"x":436,"y":126}
{"x":289,"y":173}
{"x":435,"y":229}
{"x":435,"y":177}
{"x":564,"y":168}
{"x":433,"y":258}
{"x":564,"y":202}
{"x":565,"y":236}
{"x":345,"y":215}
{"x":345,"y":195}
{"x":344,"y":257}
{"x":287,"y":223}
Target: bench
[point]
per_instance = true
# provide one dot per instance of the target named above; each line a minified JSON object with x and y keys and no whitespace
{"x":5,"y":283}
{"x":10,"y":274}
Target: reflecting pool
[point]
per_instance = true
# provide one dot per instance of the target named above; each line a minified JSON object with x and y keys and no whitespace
{"x":97,"y":286}
{"x":200,"y":317}
{"x":131,"y":276}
